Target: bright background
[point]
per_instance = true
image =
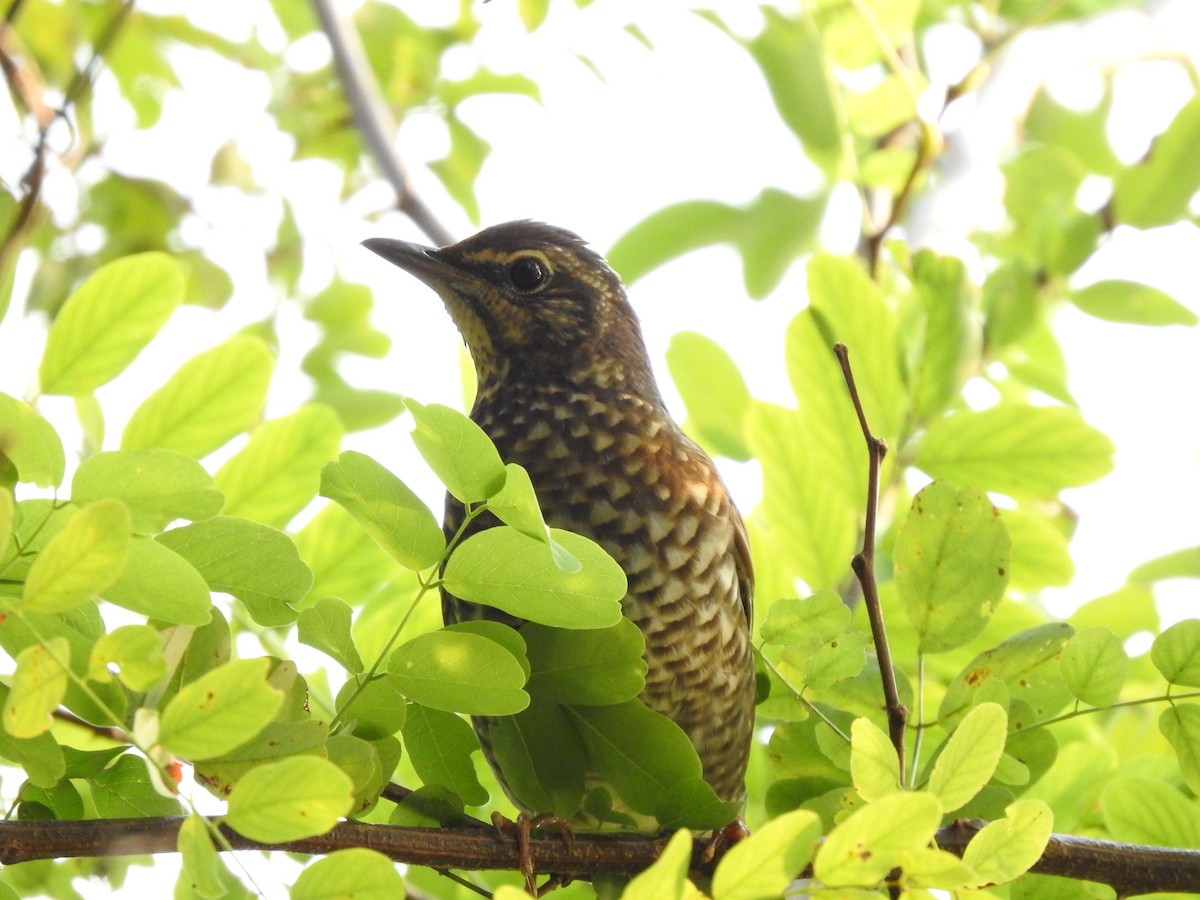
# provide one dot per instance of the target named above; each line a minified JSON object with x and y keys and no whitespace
{"x":689,"y":118}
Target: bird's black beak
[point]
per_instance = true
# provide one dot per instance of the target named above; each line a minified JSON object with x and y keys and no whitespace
{"x":418,"y":260}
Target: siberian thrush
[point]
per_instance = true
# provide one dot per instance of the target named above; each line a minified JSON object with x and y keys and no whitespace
{"x":566,"y":390}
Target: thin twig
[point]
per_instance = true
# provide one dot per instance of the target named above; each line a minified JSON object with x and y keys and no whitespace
{"x":32,"y":180}
{"x":109,"y":733}
{"x":864,"y":566}
{"x":373,"y":120}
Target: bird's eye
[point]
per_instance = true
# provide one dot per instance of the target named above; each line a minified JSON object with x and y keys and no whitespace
{"x":527,"y":273}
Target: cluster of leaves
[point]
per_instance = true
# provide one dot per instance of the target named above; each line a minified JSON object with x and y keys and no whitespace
{"x":125,"y":579}
{"x":290,"y":758}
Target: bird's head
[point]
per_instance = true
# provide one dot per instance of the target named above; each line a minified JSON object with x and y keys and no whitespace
{"x":533,"y":301}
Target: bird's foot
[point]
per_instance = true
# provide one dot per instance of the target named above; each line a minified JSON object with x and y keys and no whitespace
{"x":522,"y":829}
{"x":724,"y":838}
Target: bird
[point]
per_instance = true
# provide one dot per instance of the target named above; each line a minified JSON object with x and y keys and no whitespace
{"x":565,"y":388}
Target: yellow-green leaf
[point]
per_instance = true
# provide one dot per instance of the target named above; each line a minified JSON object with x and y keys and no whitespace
{"x":38,"y":687}
{"x":298,"y":797}
{"x":970,"y":756}
{"x":107,"y":322}
{"x":220,"y":710}
{"x":279,"y":471}
{"x":212,"y":397}
{"x":82,"y":560}
{"x":874,"y":765}
{"x":353,"y":874}
{"x":770,"y":859}
{"x":29,"y":444}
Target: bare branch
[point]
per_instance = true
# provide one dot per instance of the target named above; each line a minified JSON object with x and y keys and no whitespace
{"x":864,"y":567}
{"x":1128,"y":868}
{"x":373,"y":120}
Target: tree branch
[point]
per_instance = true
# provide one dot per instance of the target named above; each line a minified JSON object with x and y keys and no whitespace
{"x":1128,"y":868}
{"x":31,"y":181}
{"x":864,"y":566}
{"x":373,"y":120}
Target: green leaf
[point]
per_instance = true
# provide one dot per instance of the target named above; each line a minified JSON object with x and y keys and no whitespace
{"x":792,"y":57}
{"x":1082,"y":132}
{"x":460,"y":672}
{"x":542,"y":757}
{"x":533,"y":13}
{"x":1005,"y":849}
{"x":38,"y":687}
{"x":353,"y":874}
{"x":951,"y":561}
{"x":1183,"y":563}
{"x":1143,"y":810}
{"x":1093,"y":666}
{"x":29,"y":444}
{"x":40,"y":757}
{"x":125,"y":789}
{"x":459,"y":168}
{"x":874,"y":765}
{"x":504,"y":568}
{"x":516,"y":504}
{"x":851,"y":308}
{"x":864,"y":847}
{"x":278,"y":472}
{"x":80,"y":561}
{"x":326,"y":626}
{"x":134,"y":652}
{"x":952,"y":339}
{"x":770,"y":234}
{"x":158,"y":486}
{"x":969,"y":758}
{"x":1023,"y":451}
{"x":8,"y":513}
{"x":793,"y":622}
{"x":852,"y":34}
{"x":1131,"y":301}
{"x":666,"y":878}
{"x":1040,"y":557}
{"x":439,"y":746}
{"x":220,"y":710}
{"x":1176,"y":653}
{"x":713,"y":391}
{"x":646,"y":759}
{"x":344,"y":560}
{"x":1158,"y":189}
{"x":1028,"y":663}
{"x":1180,"y":725}
{"x":378,"y":708}
{"x":255,"y":563}
{"x":298,"y":797}
{"x":384,"y":506}
{"x":809,"y":505}
{"x":587,"y":667}
{"x":107,"y":322}
{"x":160,"y":584}
{"x":764,"y":864}
{"x":202,"y":867}
{"x":212,"y":397}
{"x":461,"y":455}
{"x":506,"y":636}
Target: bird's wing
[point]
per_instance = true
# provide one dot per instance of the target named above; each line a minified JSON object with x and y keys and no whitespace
{"x":745,"y":568}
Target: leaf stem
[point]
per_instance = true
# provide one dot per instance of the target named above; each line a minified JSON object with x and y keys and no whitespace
{"x":808,"y":704}
{"x":427,"y":584}
{"x":1075,"y":713}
